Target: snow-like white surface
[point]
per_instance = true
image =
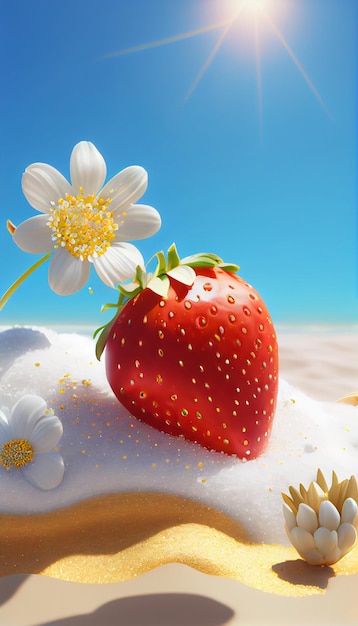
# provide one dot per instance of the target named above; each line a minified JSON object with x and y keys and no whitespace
{"x":106,"y":450}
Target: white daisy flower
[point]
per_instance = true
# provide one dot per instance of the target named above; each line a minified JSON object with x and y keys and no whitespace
{"x":84,"y":222}
{"x":28,"y":435}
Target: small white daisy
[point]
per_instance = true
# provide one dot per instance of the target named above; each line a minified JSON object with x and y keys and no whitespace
{"x":28,"y":435}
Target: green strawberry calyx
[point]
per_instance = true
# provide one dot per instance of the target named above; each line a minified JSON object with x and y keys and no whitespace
{"x":181,"y":270}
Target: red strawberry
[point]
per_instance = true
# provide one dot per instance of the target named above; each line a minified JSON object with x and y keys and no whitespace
{"x":201,"y":363}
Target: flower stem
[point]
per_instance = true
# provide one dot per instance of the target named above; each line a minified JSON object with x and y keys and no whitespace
{"x":7,"y":295}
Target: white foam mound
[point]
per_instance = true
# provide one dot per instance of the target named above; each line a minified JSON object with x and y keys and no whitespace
{"x":106,"y":450}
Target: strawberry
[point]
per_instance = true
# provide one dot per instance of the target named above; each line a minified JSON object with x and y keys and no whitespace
{"x":194,"y":354}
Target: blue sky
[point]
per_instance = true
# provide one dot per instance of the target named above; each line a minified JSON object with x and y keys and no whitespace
{"x":256,"y":161}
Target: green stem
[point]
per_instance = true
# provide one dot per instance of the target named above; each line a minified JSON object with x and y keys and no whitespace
{"x":7,"y":295}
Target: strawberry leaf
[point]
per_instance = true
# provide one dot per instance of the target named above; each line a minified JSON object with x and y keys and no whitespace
{"x":129,"y":290}
{"x":160,"y":285}
{"x":229,"y":267}
{"x":203,"y":259}
{"x":173,"y":258}
{"x":183,"y":274}
{"x":162,"y":264}
{"x":105,"y":307}
{"x":102,"y":339}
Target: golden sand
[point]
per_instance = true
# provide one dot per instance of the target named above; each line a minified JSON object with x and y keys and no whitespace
{"x":117,"y":537}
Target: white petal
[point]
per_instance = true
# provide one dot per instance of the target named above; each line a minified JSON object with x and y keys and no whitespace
{"x":183,"y":274}
{"x":347,"y":536}
{"x":5,"y":434}
{"x":25,"y":414}
{"x":46,"y":434}
{"x":34,"y":235}
{"x":46,"y":471}
{"x":289,"y":516}
{"x":314,"y":557}
{"x":87,"y":167}
{"x":126,"y":187}
{"x":118,"y":263}
{"x":307,"y":518}
{"x":67,"y":274}
{"x":4,"y":411}
{"x":333,"y":556}
{"x":305,"y":545}
{"x":349,"y":511}
{"x":328,"y":515}
{"x":43,"y":184}
{"x":325,"y":540}
{"x":302,"y":540}
{"x":140,"y":221}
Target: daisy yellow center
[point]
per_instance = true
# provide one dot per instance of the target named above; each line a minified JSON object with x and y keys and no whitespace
{"x":16,"y":453}
{"x":82,"y":224}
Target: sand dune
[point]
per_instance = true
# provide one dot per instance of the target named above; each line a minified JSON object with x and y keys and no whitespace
{"x":321,"y":361}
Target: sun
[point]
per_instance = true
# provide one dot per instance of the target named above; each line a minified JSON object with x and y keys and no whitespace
{"x":238,"y":10}
{"x":255,"y":5}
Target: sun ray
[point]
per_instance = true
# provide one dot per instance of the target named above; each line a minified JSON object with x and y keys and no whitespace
{"x":259,"y":79}
{"x":298,"y":64}
{"x":168,"y":40}
{"x":214,"y":52}
{"x":208,"y":62}
{"x":257,"y":8}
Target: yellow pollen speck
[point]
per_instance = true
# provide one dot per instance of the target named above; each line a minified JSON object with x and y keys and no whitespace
{"x":82,"y":224}
{"x":37,"y":364}
{"x":16,"y":453}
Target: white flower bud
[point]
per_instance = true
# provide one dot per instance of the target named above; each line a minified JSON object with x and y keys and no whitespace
{"x":307,"y":518}
{"x":328,"y":515}
{"x":349,"y":511}
{"x":320,"y":522}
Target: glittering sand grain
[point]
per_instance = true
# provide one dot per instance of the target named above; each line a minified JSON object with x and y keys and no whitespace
{"x":120,"y":537}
